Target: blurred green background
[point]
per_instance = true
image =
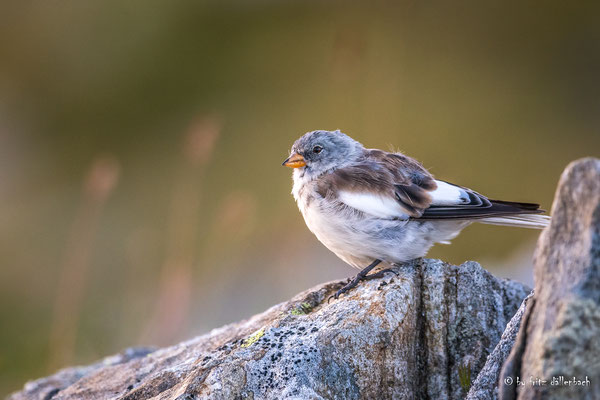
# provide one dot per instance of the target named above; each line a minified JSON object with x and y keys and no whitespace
{"x":142,"y":199}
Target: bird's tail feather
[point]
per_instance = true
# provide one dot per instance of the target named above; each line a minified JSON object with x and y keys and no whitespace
{"x":533,"y":221}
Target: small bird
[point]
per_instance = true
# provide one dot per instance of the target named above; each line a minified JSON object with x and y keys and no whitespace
{"x":370,"y":206}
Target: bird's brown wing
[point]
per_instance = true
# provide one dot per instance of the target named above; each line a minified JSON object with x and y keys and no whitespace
{"x":392,"y":185}
{"x":382,"y":184}
{"x":448,"y":201}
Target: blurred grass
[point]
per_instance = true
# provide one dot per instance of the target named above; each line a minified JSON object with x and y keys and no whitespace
{"x":497,"y":96}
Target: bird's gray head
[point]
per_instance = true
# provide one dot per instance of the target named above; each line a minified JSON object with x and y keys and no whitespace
{"x":317,"y":152}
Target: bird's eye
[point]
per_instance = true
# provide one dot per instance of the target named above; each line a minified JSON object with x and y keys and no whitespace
{"x":317,"y":149}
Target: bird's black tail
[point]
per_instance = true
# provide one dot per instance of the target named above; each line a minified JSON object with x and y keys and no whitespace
{"x":495,"y":212}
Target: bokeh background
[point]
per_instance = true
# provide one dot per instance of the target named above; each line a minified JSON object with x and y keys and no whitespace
{"x":142,"y":199}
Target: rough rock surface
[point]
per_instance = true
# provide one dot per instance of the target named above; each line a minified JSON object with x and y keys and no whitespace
{"x":562,"y":337}
{"x":485,"y":386}
{"x":404,"y":336}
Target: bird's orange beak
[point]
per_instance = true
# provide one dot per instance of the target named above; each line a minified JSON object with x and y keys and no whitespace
{"x":295,"y":161}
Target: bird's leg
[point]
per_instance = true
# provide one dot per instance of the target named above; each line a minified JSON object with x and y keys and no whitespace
{"x":380,"y":274}
{"x":362,"y":275}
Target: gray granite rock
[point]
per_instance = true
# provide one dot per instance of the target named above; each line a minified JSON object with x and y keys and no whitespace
{"x":485,"y":386}
{"x":398,"y":337}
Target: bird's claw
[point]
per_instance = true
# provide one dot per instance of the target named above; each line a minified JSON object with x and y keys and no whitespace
{"x":380,"y":274}
{"x":351,"y":283}
{"x":347,"y":287}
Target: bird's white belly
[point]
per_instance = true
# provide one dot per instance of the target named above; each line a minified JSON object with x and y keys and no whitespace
{"x":358,"y":239}
{"x":336,"y":234}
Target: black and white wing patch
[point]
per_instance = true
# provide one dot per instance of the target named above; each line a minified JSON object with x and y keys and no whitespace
{"x":456,"y":202}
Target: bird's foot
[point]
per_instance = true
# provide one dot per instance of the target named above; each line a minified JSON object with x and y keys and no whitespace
{"x":348,"y":286}
{"x":380,"y":274}
{"x":360,"y":277}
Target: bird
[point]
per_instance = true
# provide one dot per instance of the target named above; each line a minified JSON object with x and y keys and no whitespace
{"x":370,"y":206}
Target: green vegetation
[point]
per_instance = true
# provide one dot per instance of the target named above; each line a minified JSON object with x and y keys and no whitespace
{"x":302,"y":309}
{"x":253,"y":338}
{"x":464,"y":375}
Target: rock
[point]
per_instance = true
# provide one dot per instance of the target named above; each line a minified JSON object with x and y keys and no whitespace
{"x":48,"y":388}
{"x":485,"y":386}
{"x":414,"y":335}
{"x":561,"y":341}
